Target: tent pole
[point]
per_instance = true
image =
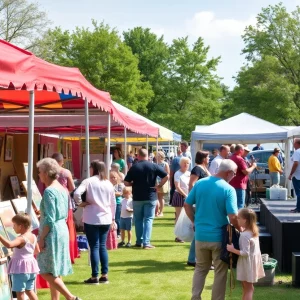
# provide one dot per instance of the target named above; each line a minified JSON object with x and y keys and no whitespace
{"x":156,"y":149}
{"x":108,"y":145}
{"x":125,"y":148}
{"x":287,"y":167}
{"x":147,"y":143}
{"x":87,"y":138}
{"x":30,"y":152}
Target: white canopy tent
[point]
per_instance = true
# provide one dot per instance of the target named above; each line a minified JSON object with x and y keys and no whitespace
{"x":243,"y":129}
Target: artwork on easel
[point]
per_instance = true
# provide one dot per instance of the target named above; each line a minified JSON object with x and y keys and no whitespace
{"x":15,"y":186}
{"x":36,"y":195}
{"x":8,"y":153}
{"x":3,"y":250}
{"x":7,"y":212}
{"x":5,"y":287}
{"x":20,"y":205}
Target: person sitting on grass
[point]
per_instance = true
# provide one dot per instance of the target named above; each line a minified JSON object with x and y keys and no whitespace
{"x":126,"y":217}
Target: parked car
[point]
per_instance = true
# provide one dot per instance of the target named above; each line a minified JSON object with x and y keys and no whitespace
{"x":262,"y":170}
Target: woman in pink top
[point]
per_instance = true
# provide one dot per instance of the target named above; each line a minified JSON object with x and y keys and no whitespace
{"x":66,"y":180}
{"x":98,"y":217}
{"x":23,"y":266}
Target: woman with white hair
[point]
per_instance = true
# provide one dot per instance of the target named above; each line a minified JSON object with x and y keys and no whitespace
{"x":66,"y":180}
{"x":54,"y":258}
{"x":181,"y":181}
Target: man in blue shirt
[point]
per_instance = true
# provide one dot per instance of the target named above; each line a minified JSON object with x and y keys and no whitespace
{"x":258,"y":147}
{"x":216,"y":206}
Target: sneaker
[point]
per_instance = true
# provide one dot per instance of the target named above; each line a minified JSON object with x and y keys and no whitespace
{"x":137,"y":246}
{"x":128,"y":245}
{"x":149,"y":247}
{"x":121,"y":244}
{"x":92,"y":281}
{"x":103,"y":280}
{"x":177,"y":240}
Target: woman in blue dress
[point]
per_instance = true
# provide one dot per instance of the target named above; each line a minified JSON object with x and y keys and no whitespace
{"x":54,"y":259}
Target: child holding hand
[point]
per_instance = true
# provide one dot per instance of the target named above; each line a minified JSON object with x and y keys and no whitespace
{"x":249,"y":267}
{"x":126,"y":217}
{"x":23,"y":266}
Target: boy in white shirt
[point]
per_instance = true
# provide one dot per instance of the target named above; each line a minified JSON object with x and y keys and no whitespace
{"x":126,"y":217}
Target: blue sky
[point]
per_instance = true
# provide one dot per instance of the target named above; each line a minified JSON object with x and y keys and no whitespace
{"x":219,"y":22}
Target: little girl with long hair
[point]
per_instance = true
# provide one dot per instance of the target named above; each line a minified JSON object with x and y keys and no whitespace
{"x":249,"y":267}
{"x":23,"y":266}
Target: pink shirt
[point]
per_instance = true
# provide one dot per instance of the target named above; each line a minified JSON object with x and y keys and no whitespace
{"x":240,"y":180}
{"x":23,"y":260}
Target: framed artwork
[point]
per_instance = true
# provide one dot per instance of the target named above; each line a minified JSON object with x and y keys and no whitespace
{"x":69,"y":150}
{"x":25,"y":165}
{"x":20,"y":205}
{"x":7,"y":212}
{"x":36,"y":195}
{"x":50,"y":149}
{"x":15,"y":185}
{"x":1,"y":144}
{"x":9,"y":143}
{"x":5,"y":287}
{"x":3,"y":250}
{"x":64,"y":148}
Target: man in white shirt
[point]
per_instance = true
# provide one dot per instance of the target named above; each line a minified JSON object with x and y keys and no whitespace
{"x":215,"y":164}
{"x":295,"y":174}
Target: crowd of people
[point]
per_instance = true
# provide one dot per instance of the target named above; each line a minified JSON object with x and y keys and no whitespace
{"x":212,"y":194}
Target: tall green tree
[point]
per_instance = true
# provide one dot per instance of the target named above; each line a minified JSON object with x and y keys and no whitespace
{"x":194,"y":91}
{"x":263,"y":90}
{"x":102,"y":57}
{"x":269,"y":86}
{"x":153,"y":55}
{"x":22,"y":22}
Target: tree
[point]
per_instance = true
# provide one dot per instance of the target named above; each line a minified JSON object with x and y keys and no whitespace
{"x":272,"y":48}
{"x":21,"y":22}
{"x":263,"y":90}
{"x":103,"y":59}
{"x":194,"y":91}
{"x":153,"y":54}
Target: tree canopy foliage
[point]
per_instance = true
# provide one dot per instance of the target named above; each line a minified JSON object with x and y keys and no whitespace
{"x":21,"y":22}
{"x":175,"y":85}
{"x":269,"y":85}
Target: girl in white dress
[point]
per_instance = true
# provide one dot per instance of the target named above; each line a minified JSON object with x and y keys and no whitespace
{"x":249,"y":267}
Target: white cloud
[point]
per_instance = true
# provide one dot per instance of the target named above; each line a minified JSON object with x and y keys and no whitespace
{"x":207,"y":25}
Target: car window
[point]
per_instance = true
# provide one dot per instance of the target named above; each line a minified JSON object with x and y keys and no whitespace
{"x":261,"y":157}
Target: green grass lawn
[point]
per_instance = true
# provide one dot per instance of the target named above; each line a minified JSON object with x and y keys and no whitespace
{"x":157,"y":274}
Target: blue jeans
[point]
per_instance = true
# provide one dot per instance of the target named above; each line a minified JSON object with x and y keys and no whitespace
{"x":143,"y":212}
{"x":118,"y":217}
{"x":96,"y":236}
{"x":296,"y":184}
{"x":192,"y":253}
{"x":241,"y":195}
{"x":275,"y":178}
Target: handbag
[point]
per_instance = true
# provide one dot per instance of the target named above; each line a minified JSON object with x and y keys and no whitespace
{"x":230,"y":236}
